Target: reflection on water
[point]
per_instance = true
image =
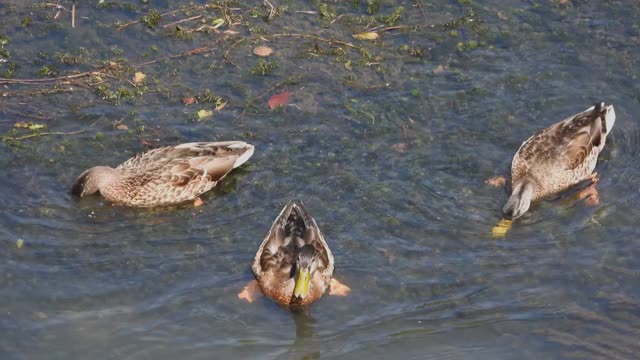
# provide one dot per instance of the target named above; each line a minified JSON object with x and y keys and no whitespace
{"x":393,"y":172}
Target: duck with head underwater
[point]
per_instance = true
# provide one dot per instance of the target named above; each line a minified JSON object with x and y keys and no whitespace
{"x":559,"y":157}
{"x":294,"y":265}
{"x":164,"y":176}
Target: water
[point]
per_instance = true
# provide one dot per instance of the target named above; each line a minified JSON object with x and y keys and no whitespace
{"x":392,"y":166}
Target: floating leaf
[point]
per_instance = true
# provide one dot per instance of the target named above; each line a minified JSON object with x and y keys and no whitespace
{"x":279,"y":100}
{"x":347,"y":65}
{"x":19,"y":243}
{"x":501,"y":228}
{"x":203,"y":114}
{"x":21,"y":124}
{"x":366,"y":36}
{"x":138,"y":78}
{"x":262,"y":51}
{"x":122,"y":127}
{"x":189,"y":100}
{"x":36,"y":126}
{"x":221,"y":106}
{"x":438,"y":70}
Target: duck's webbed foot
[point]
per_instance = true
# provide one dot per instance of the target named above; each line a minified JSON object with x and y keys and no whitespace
{"x":250,"y":292}
{"x":338,"y":289}
{"x":496,"y":181}
{"x":590,"y":193}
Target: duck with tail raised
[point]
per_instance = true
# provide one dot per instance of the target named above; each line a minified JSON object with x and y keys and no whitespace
{"x":558,"y":157}
{"x":164,"y":176}
{"x":294,"y":265}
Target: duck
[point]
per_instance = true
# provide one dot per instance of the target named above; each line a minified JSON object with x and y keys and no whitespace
{"x":294,"y":265}
{"x":558,"y":157}
{"x":164,"y":176}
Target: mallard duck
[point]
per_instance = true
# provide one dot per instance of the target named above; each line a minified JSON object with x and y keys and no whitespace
{"x":558,"y":157}
{"x":164,"y":176}
{"x":294,"y":265}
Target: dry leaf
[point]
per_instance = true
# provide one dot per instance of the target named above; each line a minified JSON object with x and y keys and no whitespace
{"x":366,"y":36}
{"x":502,"y":16}
{"x":438,"y":70}
{"x":19,"y":243}
{"x":198,"y":202}
{"x":138,"y":78}
{"x":122,"y":127}
{"x":263,"y":51}
{"x":221,"y":106}
{"x":189,"y":100}
{"x":279,"y":99}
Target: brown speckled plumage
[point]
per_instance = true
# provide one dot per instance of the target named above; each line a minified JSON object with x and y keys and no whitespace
{"x":164,"y":176}
{"x":274,"y":263}
{"x":558,"y":157}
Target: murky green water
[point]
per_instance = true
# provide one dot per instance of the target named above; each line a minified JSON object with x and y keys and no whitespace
{"x":390,"y":158}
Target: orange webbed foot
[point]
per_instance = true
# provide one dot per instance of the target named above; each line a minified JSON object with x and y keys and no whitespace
{"x":250,"y":292}
{"x":496,"y":181}
{"x":590,"y":194}
{"x":338,"y":289}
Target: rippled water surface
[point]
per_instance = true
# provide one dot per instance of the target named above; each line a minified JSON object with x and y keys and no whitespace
{"x":390,"y":159}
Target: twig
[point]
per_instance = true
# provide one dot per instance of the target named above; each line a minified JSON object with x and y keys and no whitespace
{"x":9,"y":138}
{"x":73,"y":15}
{"x":271,"y":8}
{"x":314,"y":37}
{"x":181,"y":21}
{"x":226,"y":53}
{"x":195,"y":51}
{"x":47,"y":80}
{"x":126,"y":25}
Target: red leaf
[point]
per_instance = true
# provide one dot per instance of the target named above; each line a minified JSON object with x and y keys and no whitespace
{"x":279,"y":99}
{"x":189,"y":100}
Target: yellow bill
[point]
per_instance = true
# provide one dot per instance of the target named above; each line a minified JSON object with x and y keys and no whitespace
{"x":501,"y":228}
{"x":302,"y":284}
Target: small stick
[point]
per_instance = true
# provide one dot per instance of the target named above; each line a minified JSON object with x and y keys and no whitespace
{"x":73,"y":15}
{"x":5,"y":138}
{"x":181,"y":21}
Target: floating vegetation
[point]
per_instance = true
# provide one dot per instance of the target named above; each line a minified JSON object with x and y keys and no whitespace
{"x":352,"y":38}
{"x":263,"y":67}
{"x":152,"y":19}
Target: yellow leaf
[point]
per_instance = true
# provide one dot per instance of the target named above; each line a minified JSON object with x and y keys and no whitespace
{"x":203,"y":114}
{"x":122,"y":127}
{"x":366,"y":36}
{"x":35,"y":126}
{"x":138,"y":78}
{"x":347,"y":65}
{"x":19,"y":243}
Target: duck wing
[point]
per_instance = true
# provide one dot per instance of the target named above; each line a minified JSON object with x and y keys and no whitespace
{"x":291,"y":230}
